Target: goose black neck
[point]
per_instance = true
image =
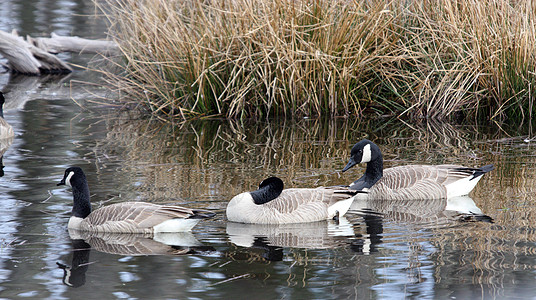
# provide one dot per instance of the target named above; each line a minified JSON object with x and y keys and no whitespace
{"x":265,"y":194}
{"x":81,"y":203}
{"x":374,"y":170}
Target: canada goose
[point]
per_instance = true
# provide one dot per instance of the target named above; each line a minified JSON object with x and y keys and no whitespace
{"x":412,"y":181}
{"x":270,"y":204}
{"x":127,"y":217}
{"x":6,"y":131}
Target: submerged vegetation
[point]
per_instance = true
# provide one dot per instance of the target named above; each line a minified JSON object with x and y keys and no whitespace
{"x":253,"y":58}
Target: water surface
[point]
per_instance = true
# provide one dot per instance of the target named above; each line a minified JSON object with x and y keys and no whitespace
{"x":380,"y":250}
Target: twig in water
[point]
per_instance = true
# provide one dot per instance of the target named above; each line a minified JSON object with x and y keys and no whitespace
{"x":48,"y":198}
{"x":224,"y":264}
{"x":231,"y":279}
{"x":292,"y":265}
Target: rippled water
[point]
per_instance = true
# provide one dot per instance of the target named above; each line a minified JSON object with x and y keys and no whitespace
{"x":419,"y":249}
{"x":380,"y":250}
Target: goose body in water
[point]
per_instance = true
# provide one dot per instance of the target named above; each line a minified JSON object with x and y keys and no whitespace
{"x":271,"y":204}
{"x":127,"y":217}
{"x":412,"y":181}
{"x":6,"y":131}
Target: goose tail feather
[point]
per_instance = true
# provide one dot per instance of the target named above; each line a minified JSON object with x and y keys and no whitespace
{"x":202,"y":214}
{"x":476,"y":172}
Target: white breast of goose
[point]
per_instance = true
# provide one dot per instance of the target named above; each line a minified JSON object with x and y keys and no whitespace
{"x":74,"y":223}
{"x":241,"y":208}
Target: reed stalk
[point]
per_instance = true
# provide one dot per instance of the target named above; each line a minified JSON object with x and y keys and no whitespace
{"x":255,"y":58}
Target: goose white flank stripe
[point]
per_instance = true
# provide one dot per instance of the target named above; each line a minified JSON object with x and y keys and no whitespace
{"x":412,"y":181}
{"x":271,"y":204}
{"x":127,"y":217}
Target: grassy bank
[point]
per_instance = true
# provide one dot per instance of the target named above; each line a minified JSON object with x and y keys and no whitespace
{"x":252,"y":58}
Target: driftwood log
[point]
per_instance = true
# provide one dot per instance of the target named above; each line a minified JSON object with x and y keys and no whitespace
{"x":35,"y":56}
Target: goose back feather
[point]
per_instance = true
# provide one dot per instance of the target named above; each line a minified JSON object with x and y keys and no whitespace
{"x":136,"y":217}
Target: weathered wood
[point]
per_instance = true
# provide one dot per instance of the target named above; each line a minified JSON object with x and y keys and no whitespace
{"x":34,"y":57}
{"x":17,"y":52}
{"x":57,"y":44}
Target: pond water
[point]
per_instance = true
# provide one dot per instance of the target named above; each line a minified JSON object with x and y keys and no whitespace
{"x":380,"y":250}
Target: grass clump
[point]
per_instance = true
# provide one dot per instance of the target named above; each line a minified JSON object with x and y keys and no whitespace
{"x":253,"y":58}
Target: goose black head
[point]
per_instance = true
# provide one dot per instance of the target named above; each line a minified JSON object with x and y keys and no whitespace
{"x":363,"y":152}
{"x":74,"y":176}
{"x":269,"y":189}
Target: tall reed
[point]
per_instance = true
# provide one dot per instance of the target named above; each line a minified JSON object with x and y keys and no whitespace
{"x":253,"y":58}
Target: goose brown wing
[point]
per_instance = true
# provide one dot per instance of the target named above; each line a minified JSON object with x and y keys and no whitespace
{"x":412,"y":181}
{"x":440,"y":174}
{"x":311,"y":200}
{"x":418,"y":181}
{"x":135,"y":215}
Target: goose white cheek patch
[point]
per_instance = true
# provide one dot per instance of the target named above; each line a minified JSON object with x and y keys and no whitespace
{"x":68,"y":179}
{"x":367,"y":154}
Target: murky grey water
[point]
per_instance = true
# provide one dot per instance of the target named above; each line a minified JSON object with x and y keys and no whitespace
{"x":382,"y":250}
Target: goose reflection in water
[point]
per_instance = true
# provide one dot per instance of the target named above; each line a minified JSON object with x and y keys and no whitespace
{"x":429,"y":212}
{"x":5,"y":143}
{"x":313,"y":235}
{"x":75,"y":275}
{"x":363,"y":237}
{"x":178,"y":243}
{"x":272,"y":238}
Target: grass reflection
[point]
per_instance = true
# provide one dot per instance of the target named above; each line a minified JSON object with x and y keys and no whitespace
{"x":204,"y":163}
{"x":215,"y":159}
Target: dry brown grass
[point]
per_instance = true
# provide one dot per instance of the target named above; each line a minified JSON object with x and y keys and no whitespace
{"x":253,"y":58}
